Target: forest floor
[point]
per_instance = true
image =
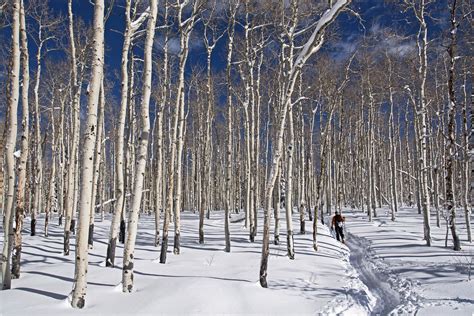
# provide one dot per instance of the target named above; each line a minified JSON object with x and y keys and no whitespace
{"x":385,"y":268}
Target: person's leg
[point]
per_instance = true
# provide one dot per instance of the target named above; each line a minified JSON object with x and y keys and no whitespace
{"x":341,"y":232}
{"x":337,"y":233}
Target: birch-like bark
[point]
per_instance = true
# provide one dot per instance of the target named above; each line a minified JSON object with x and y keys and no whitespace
{"x":450,"y":205}
{"x":159,"y":185}
{"x":467,"y":209}
{"x":120,"y":146}
{"x":312,"y":45}
{"x":72,"y":152}
{"x":392,"y":159}
{"x":141,"y":158}
{"x":422,"y":43}
{"x":186,"y":28}
{"x":289,"y":188}
{"x":81,"y":260}
{"x":50,"y":205}
{"x":97,"y":160}
{"x":13,"y":98}
{"x":230,"y":47}
{"x":21,"y":185}
{"x":37,"y":148}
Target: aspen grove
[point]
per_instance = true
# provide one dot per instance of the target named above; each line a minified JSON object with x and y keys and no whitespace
{"x":247,"y":111}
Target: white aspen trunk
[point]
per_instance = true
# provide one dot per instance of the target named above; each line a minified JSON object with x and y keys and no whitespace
{"x":62,"y":174}
{"x":11,"y":127}
{"x":276,"y":210}
{"x":422,"y":110}
{"x":159,"y":173}
{"x":312,"y":45}
{"x":229,"y":202}
{"x":72,"y":152}
{"x":289,"y":187}
{"x":257,"y":198}
{"x":372,"y":154}
{"x":302,"y":203}
{"x":52,"y":179}
{"x":141,"y":159}
{"x":159,"y":185}
{"x":329,"y":176}
{"x":450,"y":204}
{"x":97,"y":159}
{"x":81,"y":260}
{"x":467,"y":210}
{"x":38,"y":152}
{"x":120,"y":146}
{"x":392,"y":159}
{"x":207,"y":155}
{"x":185,"y":32}
{"x":400,"y":160}
{"x":21,"y":185}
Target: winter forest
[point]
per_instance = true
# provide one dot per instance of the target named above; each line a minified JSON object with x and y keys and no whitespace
{"x":236,"y":157}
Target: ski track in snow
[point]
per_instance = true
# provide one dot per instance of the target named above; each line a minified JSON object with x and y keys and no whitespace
{"x":396,"y":294}
{"x":358,"y":299}
{"x":387,"y":299}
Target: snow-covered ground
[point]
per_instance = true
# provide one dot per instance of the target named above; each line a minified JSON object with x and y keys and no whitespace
{"x":389,"y":266}
{"x":429,"y":280}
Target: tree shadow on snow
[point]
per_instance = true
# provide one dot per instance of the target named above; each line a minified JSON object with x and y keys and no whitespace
{"x":191,"y":276}
{"x":55,"y":296}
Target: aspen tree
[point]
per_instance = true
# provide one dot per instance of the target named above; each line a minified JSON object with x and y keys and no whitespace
{"x":392,"y":159}
{"x":97,"y":158}
{"x":289,"y":187}
{"x":128,"y":255}
{"x":210,"y":41}
{"x":52,"y":179}
{"x":451,"y":207}
{"x":11,"y":127}
{"x":159,"y":184}
{"x":185,"y":29}
{"x":422,"y":45}
{"x":230,"y":46}
{"x":130,"y":29}
{"x":21,"y":185}
{"x":78,"y":294}
{"x":311,"y":46}
{"x":75,"y":105}
{"x":465,"y":198}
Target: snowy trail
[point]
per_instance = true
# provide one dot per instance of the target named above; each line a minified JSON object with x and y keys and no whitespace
{"x":387,"y":298}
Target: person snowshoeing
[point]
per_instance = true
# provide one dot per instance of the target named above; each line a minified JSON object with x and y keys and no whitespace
{"x":338,"y":223}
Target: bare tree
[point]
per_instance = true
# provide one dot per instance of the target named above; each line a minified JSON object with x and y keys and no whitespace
{"x":81,"y":262}
{"x":13,"y":98}
{"x":127,"y":276}
{"x":311,"y":46}
{"x":21,"y":186}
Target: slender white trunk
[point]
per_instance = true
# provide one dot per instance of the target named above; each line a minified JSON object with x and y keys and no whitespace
{"x":289,"y":188}
{"x":81,"y":259}
{"x":141,"y":158}
{"x":120,"y":146}
{"x":74,"y":141}
{"x":97,"y":160}
{"x":312,"y":45}
{"x":13,"y":98}
{"x":392,"y":159}
{"x":21,"y":185}
{"x":450,"y":204}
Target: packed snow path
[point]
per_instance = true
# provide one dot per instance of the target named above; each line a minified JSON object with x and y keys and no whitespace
{"x":387,"y":298}
{"x":405,"y":275}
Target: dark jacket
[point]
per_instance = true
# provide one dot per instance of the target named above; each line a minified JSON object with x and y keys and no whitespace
{"x":337,"y":219}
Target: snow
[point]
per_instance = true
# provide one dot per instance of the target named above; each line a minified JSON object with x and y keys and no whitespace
{"x":388,"y":265}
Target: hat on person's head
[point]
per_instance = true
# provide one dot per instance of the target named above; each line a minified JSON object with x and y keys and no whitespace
{"x":337,"y":212}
